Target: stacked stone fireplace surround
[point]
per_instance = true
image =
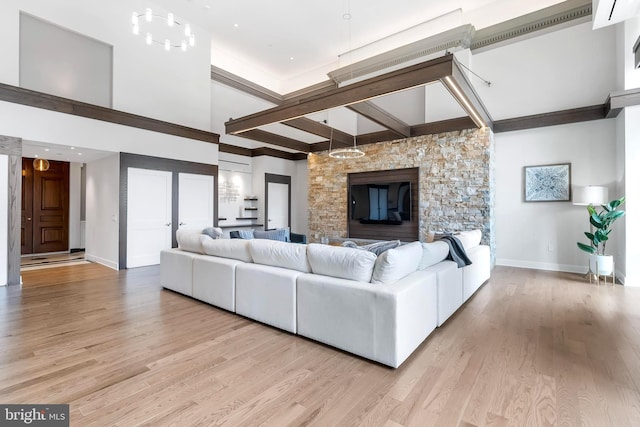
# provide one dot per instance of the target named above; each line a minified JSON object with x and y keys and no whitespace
{"x":455,"y":177}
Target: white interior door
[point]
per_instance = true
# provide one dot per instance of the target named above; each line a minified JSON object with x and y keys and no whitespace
{"x":278,"y":205}
{"x":195,"y":204}
{"x":148,"y":216}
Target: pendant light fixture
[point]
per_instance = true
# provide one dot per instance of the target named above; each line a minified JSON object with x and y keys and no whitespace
{"x":351,"y":152}
{"x":345,"y":153}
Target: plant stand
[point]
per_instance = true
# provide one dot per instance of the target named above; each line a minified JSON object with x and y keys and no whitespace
{"x":596,"y":275}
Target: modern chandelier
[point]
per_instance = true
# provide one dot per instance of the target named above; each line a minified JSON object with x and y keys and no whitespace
{"x":171,"y":34}
{"x":344,"y":153}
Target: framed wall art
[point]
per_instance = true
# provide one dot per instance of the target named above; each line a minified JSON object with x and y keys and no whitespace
{"x":547,"y":183}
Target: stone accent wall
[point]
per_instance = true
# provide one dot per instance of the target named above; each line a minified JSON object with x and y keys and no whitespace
{"x":456,"y":182}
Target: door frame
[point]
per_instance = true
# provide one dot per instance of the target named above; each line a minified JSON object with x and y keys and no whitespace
{"x":128,"y":160}
{"x":276,"y":179}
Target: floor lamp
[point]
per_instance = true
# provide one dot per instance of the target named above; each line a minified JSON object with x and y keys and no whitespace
{"x":591,"y":195}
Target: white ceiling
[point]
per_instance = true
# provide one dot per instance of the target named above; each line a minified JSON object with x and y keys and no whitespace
{"x":257,"y":39}
{"x":62,"y":153}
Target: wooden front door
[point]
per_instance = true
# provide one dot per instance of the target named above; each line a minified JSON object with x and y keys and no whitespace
{"x":49,"y":223}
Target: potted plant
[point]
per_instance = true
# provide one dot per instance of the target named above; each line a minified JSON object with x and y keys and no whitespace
{"x":602,"y":221}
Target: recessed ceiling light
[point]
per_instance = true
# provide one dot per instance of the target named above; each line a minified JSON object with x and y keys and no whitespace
{"x":79,"y":154}
{"x":236,"y":25}
{"x":36,"y":155}
{"x":46,"y":149}
{"x":291,"y":58}
{"x":207,"y":6}
{"x":73,"y":148}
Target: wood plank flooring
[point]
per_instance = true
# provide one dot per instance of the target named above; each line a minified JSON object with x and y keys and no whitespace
{"x":531,"y":348}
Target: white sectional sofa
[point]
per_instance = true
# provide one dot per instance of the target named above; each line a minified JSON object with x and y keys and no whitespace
{"x":378,"y":307}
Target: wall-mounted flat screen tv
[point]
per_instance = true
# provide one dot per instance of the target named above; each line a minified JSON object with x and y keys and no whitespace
{"x":381,"y":203}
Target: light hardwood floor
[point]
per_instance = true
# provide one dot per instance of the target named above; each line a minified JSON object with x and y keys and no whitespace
{"x":531,"y":348}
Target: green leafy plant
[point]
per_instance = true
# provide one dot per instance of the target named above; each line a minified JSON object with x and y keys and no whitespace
{"x":601,"y":221}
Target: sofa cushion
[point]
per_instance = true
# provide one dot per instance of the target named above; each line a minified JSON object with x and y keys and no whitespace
{"x":277,"y":234}
{"x":397,"y":263}
{"x":279,"y":254}
{"x":469,"y":239}
{"x":343,"y":263}
{"x":190,"y":240}
{"x":227,"y":248}
{"x":433,"y":253}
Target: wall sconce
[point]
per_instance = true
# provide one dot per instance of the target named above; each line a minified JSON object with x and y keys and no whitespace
{"x":41,"y":165}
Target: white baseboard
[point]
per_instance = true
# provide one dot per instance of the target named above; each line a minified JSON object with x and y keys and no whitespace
{"x":581,"y":269}
{"x":105,"y":262}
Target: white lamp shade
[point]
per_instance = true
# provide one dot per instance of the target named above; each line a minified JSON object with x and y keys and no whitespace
{"x":590,"y":195}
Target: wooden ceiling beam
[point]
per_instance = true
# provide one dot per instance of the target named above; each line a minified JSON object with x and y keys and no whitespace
{"x":394,"y":81}
{"x":316,"y":128}
{"x":376,"y":114}
{"x":573,"y":115}
{"x":275,"y":139}
{"x":232,"y":80}
{"x":442,"y":126}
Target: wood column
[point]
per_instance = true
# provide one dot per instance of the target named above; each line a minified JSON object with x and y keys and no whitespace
{"x":12,"y":147}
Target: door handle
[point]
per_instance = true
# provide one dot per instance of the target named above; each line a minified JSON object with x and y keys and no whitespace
{"x":182,"y":223}
{"x":168,"y":224}
{"x":268,"y":220}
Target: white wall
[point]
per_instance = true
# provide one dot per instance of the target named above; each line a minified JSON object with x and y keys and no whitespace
{"x":631,"y":221}
{"x":543,"y":235}
{"x":230,"y":209}
{"x":4,"y":221}
{"x":65,"y":129}
{"x":102,"y":232}
{"x":74,"y":205}
{"x":621,"y":188}
{"x":172,"y":86}
{"x":631,"y":33}
{"x":299,"y":203}
{"x":569,"y":68}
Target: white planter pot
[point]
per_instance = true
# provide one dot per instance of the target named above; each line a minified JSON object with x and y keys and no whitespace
{"x":601,"y":265}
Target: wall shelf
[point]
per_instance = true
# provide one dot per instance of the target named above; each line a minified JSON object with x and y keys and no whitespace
{"x":240,"y":225}
{"x":252,"y":218}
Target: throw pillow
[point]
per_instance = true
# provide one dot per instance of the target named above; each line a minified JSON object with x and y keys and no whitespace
{"x":213,"y":232}
{"x":246,"y":234}
{"x":277,"y":234}
{"x":349,"y":244}
{"x":379,"y":247}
